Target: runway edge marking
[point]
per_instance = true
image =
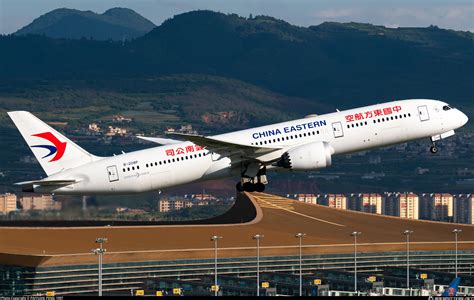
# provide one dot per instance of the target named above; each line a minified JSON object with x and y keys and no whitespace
{"x":297,"y":213}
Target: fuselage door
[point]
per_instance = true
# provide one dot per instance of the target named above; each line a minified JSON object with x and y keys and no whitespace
{"x":423,"y":113}
{"x":113,"y":174}
{"x":337,"y":129}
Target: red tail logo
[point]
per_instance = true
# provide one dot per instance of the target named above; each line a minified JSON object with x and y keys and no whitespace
{"x":58,"y":148}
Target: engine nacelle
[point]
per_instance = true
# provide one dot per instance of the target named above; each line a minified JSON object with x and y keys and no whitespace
{"x":312,"y":156}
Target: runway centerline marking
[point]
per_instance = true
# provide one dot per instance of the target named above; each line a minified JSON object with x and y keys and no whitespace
{"x":297,"y":213}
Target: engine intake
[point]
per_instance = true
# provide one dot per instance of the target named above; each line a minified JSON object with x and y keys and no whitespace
{"x":312,"y":156}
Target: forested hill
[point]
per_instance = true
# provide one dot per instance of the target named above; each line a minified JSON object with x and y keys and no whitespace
{"x":114,"y":24}
{"x":343,"y":64}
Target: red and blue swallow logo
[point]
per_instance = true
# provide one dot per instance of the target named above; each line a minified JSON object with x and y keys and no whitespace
{"x":58,"y":148}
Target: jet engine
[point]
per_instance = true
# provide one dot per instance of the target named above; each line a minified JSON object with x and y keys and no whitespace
{"x":307,"y":157}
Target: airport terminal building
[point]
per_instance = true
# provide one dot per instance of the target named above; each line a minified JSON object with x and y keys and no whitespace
{"x":37,"y":260}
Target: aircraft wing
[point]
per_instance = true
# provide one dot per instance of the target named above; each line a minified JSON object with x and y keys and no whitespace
{"x":237,"y":152}
{"x":161,"y":141}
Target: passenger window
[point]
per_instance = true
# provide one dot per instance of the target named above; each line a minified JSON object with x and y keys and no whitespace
{"x":124,"y":169}
{"x":133,"y":168}
{"x":128,"y":169}
{"x":138,"y":167}
{"x":317,"y":131}
{"x":409,"y":114}
{"x":160,"y":163}
{"x":365,"y":122}
{"x":348,"y":126}
{"x":146,"y":165}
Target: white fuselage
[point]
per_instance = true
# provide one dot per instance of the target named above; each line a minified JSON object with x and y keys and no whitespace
{"x":346,"y":131}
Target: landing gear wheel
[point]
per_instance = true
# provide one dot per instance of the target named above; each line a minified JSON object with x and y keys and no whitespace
{"x":239,"y":187}
{"x":434,"y":149}
{"x":249,"y":187}
{"x":259,"y":187}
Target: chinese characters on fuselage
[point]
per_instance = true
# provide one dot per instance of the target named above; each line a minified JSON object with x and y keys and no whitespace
{"x":373,"y":113}
{"x":183,"y":150}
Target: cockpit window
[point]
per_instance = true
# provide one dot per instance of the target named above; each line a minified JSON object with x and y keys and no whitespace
{"x":446,"y":107}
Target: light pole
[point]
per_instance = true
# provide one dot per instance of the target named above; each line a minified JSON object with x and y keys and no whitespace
{"x":100,"y":251}
{"x":215,"y":238}
{"x":355,"y":234}
{"x":258,"y":237}
{"x":456,"y":231}
{"x":300,"y":236}
{"x":407,"y":234}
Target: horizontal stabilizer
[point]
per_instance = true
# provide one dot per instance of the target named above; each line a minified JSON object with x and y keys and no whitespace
{"x":47,"y":182}
{"x":161,"y":141}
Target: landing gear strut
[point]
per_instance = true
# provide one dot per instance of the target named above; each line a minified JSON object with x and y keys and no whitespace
{"x":253,"y":184}
{"x":433,"y":148}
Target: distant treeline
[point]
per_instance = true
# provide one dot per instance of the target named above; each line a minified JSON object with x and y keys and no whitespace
{"x":347,"y":64}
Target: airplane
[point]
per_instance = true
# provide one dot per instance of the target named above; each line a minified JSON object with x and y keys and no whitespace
{"x":305,"y":144}
{"x":452,"y":289}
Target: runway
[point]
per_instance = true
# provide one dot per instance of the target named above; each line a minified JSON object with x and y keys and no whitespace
{"x":277,"y":218}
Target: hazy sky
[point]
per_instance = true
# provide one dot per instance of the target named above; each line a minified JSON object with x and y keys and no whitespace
{"x":454,"y":14}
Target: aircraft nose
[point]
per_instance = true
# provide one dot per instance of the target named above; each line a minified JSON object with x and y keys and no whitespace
{"x":463,"y":118}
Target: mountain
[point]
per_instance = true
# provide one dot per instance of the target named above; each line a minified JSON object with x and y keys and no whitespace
{"x":343,"y":64}
{"x":115,"y":24}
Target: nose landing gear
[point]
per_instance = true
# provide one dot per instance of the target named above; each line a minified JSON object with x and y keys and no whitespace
{"x":433,"y":148}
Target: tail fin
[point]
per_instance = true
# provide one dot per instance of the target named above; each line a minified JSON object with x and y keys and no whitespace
{"x":452,"y":289}
{"x":53,"y":151}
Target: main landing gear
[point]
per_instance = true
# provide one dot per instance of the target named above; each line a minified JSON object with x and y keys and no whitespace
{"x":253,"y":184}
{"x":250,"y":187}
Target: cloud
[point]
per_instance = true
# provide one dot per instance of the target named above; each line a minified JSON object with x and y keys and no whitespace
{"x":337,"y":13}
{"x":460,"y":17}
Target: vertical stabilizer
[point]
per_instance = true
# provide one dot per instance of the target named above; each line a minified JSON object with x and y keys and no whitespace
{"x":53,"y":151}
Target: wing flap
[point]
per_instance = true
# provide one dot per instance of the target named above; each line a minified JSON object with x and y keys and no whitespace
{"x":238,"y":153}
{"x":216,"y":144}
